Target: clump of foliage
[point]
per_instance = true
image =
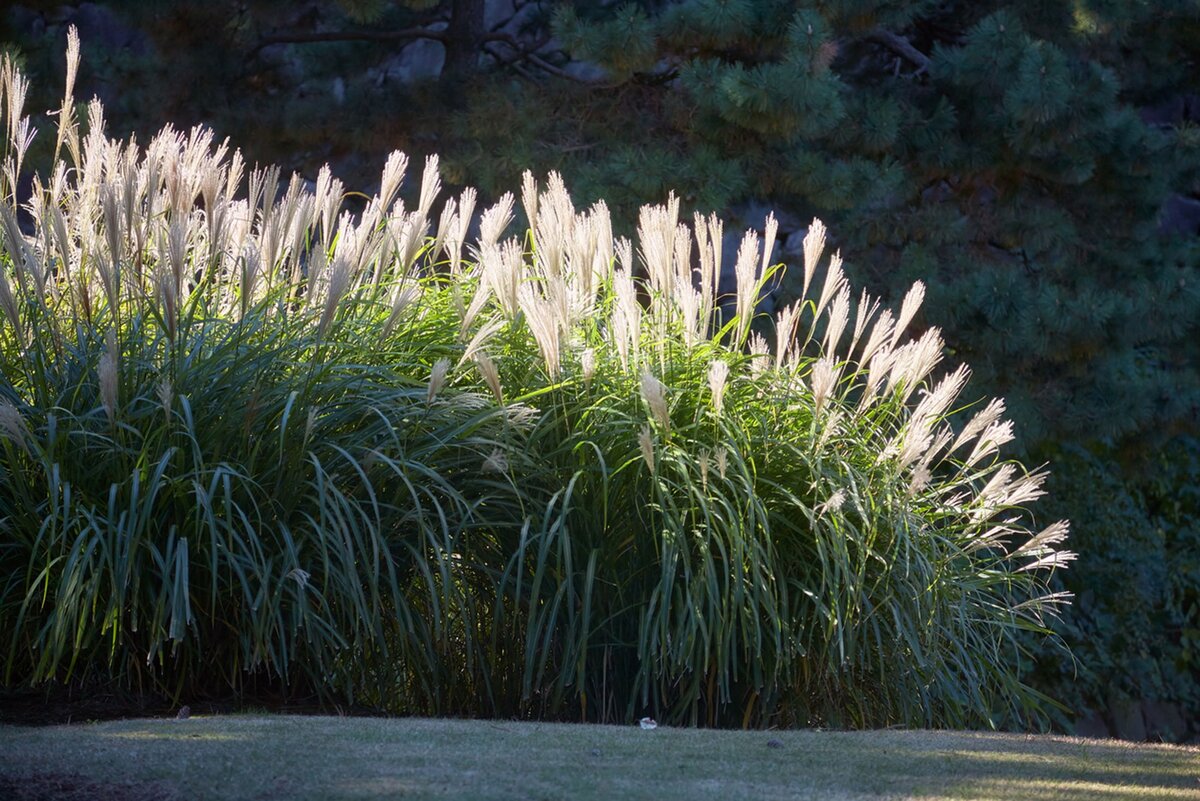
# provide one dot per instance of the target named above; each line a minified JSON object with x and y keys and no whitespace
{"x":249,"y":436}
{"x":1135,"y":621}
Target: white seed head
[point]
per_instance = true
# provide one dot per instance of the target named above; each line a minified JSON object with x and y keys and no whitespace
{"x":908,"y":309}
{"x":542,"y":319}
{"x":491,"y":375}
{"x":587,"y":363}
{"x":107,"y":374}
{"x":393,"y":178}
{"x":990,"y":441}
{"x":979,"y":422}
{"x":824,"y":379}
{"x":646,"y":443}
{"x":832,"y":503}
{"x":839,"y":315}
{"x":166,"y":396}
{"x":431,"y":185}
{"x":718,"y":375}
{"x":814,"y":246}
{"x":760,"y":354}
{"x":437,"y":378}
{"x":835,"y":281}
{"x":495,"y":220}
{"x":746,"y":272}
{"x":496,"y":462}
{"x":12,"y":425}
{"x":1044,"y":541}
{"x":299,"y":576}
{"x":786,"y":323}
{"x":654,"y":392}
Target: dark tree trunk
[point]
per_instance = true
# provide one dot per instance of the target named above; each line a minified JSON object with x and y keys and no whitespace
{"x":463,"y":38}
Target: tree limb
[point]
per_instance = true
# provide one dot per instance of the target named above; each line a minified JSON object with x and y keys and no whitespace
{"x":527,"y":53}
{"x":900,"y":46}
{"x":301,"y":37}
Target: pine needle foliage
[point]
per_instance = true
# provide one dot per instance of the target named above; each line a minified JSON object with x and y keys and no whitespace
{"x":251,"y":439}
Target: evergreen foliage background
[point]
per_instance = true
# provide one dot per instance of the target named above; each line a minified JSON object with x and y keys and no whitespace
{"x":1034,"y":163}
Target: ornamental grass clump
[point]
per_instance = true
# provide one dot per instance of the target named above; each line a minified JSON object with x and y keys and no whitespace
{"x":252,"y":441}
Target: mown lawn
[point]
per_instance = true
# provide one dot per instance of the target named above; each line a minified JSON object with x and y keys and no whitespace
{"x":279,"y":757}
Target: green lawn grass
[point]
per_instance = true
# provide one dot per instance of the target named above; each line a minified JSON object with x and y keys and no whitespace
{"x":282,"y":757}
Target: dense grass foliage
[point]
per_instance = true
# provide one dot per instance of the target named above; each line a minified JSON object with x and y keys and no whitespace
{"x":252,"y":438}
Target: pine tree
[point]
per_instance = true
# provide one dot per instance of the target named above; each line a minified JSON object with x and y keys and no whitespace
{"x":987,"y":148}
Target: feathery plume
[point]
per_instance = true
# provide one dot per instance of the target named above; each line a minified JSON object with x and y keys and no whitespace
{"x":166,"y":396}
{"x":503,"y":270}
{"x":654,"y":392}
{"x":339,"y":282}
{"x":881,"y":332}
{"x":1053,"y":559}
{"x":908,"y":309}
{"x":979,"y":422}
{"x":12,"y":425}
{"x":990,"y":441}
{"x":718,"y":374}
{"x":496,"y":462}
{"x":491,"y":375}
{"x":708,"y":234}
{"x":835,"y":280}
{"x":833,"y":503}
{"x":404,"y":295}
{"x":458,"y":234}
{"x":935,"y":403}
{"x":914,"y":361}
{"x":626,"y":318}
{"x":646,"y":443}
{"x":867,"y":307}
{"x":587,"y":363}
{"x":544,"y":324}
{"x":824,"y":378}
{"x":494,"y":220}
{"x":786,"y":324}
{"x":760,"y":354}
{"x":656,"y":233}
{"x":431,"y":186}
{"x":67,"y":128}
{"x":393,"y":178}
{"x":481,"y":338}
{"x":839,"y":315}
{"x":814,"y":246}
{"x":8,"y":304}
{"x":1044,"y":541}
{"x":249,"y":275}
{"x":483,"y":292}
{"x":107,"y":374}
{"x":529,"y":197}
{"x":437,"y":379}
{"x":747,"y":283}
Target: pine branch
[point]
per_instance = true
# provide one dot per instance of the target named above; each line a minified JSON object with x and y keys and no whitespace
{"x":308,"y":37}
{"x":527,"y":53}
{"x":900,"y":46}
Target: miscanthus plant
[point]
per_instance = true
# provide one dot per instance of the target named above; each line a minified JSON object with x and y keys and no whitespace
{"x":253,"y":441}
